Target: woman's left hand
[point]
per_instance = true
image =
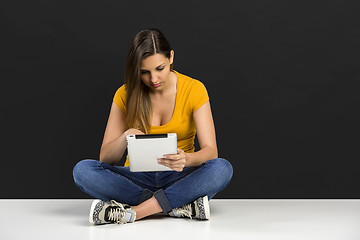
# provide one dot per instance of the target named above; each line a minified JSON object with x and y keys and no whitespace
{"x":174,"y":161}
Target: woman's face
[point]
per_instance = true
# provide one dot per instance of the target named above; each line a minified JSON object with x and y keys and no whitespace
{"x":155,"y":70}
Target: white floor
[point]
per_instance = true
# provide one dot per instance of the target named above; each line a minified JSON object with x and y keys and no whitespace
{"x":230,"y":219}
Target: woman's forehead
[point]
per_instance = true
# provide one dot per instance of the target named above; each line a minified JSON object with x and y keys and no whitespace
{"x":153,"y":61}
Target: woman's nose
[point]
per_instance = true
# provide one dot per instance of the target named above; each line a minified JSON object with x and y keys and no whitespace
{"x":153,"y":78}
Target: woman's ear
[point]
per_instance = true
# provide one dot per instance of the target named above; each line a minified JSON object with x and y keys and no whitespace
{"x":171,"y":57}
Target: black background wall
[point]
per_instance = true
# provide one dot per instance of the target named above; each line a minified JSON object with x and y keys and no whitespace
{"x":283,"y":78}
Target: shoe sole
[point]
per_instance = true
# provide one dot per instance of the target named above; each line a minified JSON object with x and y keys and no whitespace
{"x":91,"y":215}
{"x":207,"y":208}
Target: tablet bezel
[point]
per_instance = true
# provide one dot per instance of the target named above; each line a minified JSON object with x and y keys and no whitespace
{"x":144,"y":150}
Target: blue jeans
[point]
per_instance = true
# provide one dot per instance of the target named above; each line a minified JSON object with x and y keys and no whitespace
{"x":171,"y":189}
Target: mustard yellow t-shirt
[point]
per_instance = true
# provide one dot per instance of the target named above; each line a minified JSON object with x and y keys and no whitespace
{"x":191,"y":94}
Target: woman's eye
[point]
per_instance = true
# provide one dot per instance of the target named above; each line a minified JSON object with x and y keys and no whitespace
{"x":145,"y":72}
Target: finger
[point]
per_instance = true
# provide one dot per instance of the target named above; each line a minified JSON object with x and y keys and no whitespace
{"x":179,"y":152}
{"x":171,"y":163}
{"x":172,"y":157}
{"x":178,"y":169}
{"x":167,"y":162}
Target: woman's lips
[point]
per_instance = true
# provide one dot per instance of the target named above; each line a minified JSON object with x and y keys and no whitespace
{"x":156,"y":85}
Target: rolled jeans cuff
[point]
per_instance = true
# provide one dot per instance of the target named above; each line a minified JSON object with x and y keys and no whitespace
{"x":163,"y":201}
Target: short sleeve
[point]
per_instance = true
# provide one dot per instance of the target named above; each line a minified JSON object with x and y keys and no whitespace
{"x":120,"y":98}
{"x":199,"y":95}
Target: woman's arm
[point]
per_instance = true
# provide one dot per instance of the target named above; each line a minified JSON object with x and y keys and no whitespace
{"x":205,"y":129}
{"x":114,"y":142}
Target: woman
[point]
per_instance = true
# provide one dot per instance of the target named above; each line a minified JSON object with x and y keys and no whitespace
{"x":155,"y":99}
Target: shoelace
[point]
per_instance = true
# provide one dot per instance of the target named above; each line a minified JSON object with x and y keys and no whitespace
{"x":118,"y":214}
{"x":184,"y":211}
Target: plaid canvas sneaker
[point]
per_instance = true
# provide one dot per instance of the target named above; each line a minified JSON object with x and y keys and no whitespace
{"x":110,"y":212}
{"x":198,"y":209}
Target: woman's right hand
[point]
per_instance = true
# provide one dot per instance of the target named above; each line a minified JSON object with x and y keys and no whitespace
{"x":114,"y":142}
{"x":133,"y":131}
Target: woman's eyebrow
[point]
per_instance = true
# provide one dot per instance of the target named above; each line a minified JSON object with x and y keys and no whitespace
{"x":161,"y":65}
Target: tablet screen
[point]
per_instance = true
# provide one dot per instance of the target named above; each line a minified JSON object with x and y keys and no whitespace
{"x":144,"y":150}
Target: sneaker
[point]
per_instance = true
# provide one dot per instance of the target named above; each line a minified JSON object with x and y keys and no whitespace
{"x":198,"y":209}
{"x":110,"y":212}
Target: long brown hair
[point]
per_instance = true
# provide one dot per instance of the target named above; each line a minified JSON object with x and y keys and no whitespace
{"x":138,"y":104}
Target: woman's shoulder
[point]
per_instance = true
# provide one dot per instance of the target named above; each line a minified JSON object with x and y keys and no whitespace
{"x":121,"y":91}
{"x":122,"y":88}
{"x":192,"y":92}
{"x":188,"y":82}
{"x":120,"y":97}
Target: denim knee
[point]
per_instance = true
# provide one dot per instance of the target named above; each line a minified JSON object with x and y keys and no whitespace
{"x":81,"y":170}
{"x":222,"y":172}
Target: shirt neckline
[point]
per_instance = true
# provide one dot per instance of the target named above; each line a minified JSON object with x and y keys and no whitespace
{"x":176,"y":102}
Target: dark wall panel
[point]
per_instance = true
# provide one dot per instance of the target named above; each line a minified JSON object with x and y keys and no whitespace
{"x":283,"y":78}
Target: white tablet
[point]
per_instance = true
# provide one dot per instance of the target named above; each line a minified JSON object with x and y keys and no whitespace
{"x":144,"y":151}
